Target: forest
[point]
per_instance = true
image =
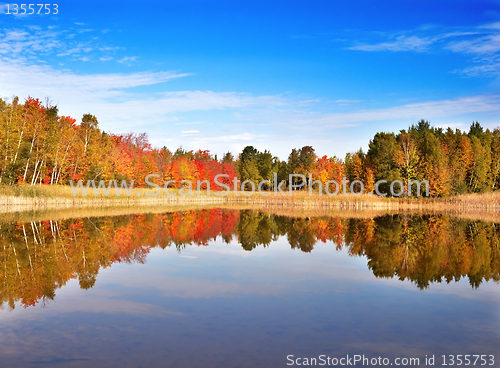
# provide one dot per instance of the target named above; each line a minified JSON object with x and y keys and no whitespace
{"x":38,"y":257}
{"x":40,"y":147}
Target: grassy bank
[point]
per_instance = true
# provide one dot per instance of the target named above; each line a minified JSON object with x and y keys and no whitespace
{"x":29,"y":198}
{"x":58,"y":214}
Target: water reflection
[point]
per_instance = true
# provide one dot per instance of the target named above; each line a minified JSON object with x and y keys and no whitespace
{"x":39,"y":257}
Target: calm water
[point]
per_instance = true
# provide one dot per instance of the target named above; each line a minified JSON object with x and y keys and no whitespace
{"x":222,"y":288}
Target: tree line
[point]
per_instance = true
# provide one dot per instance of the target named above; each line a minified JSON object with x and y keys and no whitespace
{"x":38,"y":146}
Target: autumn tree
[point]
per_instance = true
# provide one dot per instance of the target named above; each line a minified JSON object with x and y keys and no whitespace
{"x":382,"y":150}
{"x":406,"y":158}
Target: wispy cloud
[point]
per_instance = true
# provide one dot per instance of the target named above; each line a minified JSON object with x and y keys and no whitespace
{"x":483,"y":45}
{"x":400,"y":43}
{"x":28,"y":43}
{"x":427,"y":110}
{"x":36,"y":43}
{"x":332,"y":133}
{"x":128,"y":59}
{"x":25,"y":77}
{"x":109,"y":97}
{"x":481,"y":42}
{"x":347,"y":102}
{"x":317,"y":124}
{"x":460,"y":126}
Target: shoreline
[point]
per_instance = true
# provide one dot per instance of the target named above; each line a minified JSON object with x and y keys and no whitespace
{"x":472,"y":206}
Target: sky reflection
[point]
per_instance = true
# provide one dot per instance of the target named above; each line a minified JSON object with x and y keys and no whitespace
{"x":223,"y":306}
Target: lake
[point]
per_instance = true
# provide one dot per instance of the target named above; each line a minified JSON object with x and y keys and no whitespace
{"x":231,"y":288}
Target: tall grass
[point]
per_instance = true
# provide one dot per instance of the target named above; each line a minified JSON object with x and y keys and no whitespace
{"x":24,"y":214}
{"x":27,"y":197}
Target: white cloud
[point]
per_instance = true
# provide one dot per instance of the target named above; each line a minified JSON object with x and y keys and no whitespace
{"x":347,"y":101}
{"x":108,"y":97}
{"x":338,"y":133}
{"x":486,"y":45}
{"x":35,"y":43}
{"x":425,"y":110}
{"x":488,"y":66}
{"x":482,"y":42}
{"x":401,"y":43}
{"x":26,"y":78}
{"x":128,"y":59}
{"x":460,"y":126}
{"x":318,"y":123}
{"x":244,"y":137}
{"x":16,"y":42}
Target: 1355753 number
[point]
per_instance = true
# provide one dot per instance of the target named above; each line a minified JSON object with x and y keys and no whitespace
{"x":32,"y":9}
{"x":468,"y":359}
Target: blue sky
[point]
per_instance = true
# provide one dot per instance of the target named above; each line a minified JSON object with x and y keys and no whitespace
{"x":277,"y":75}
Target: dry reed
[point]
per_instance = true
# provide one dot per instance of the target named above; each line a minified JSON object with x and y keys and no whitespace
{"x":50,"y":198}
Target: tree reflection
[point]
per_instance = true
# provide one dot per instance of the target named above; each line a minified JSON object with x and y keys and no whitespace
{"x":39,"y":257}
